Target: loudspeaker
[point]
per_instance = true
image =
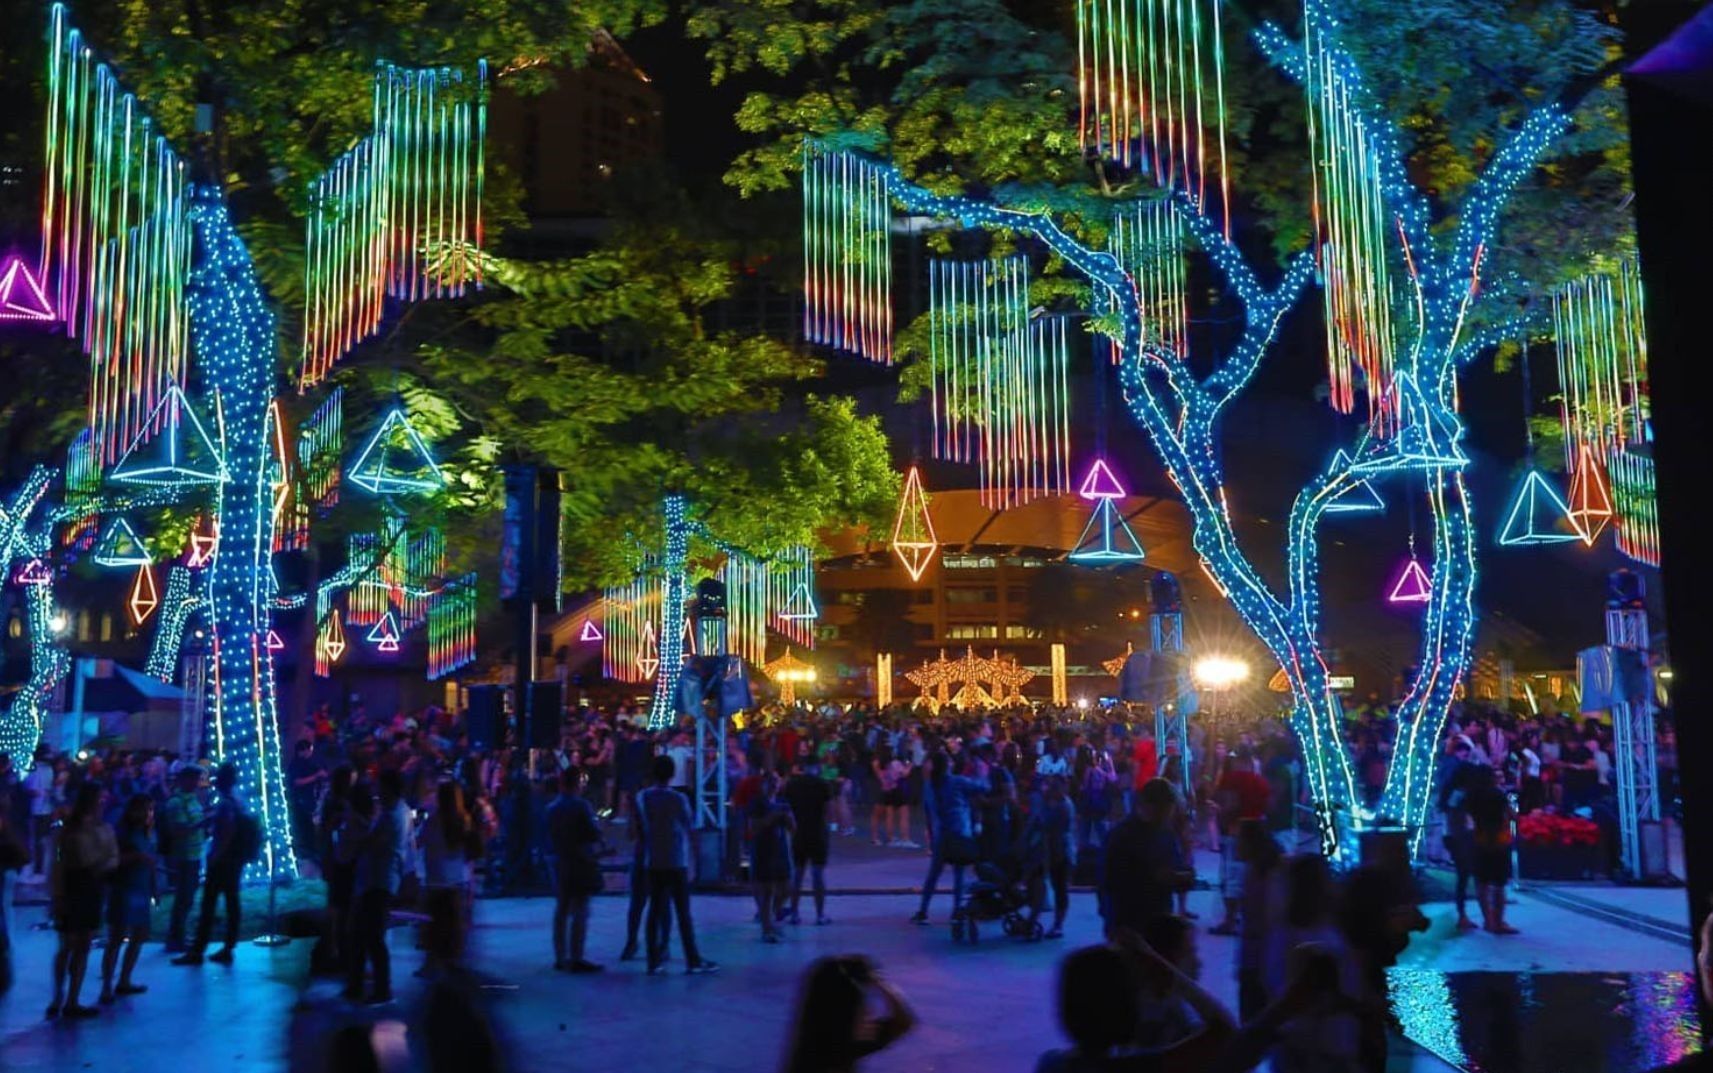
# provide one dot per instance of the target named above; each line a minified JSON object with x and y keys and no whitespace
{"x":548,"y":523}
{"x":1165,"y":595}
{"x":482,"y":717}
{"x":545,"y":714}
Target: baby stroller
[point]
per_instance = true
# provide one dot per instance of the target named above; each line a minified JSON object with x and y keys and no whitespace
{"x":998,"y":893}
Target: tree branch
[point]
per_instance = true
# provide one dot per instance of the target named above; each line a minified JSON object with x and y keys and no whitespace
{"x":1487,"y":198}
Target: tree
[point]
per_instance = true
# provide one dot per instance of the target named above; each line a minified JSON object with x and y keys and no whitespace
{"x":1474,"y":157}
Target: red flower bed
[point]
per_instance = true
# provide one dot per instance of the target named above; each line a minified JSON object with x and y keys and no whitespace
{"x":1543,"y":828}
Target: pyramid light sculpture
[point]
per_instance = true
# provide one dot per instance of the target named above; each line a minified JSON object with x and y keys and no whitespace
{"x":913,"y":539}
{"x":801,"y":605}
{"x":332,"y":639}
{"x":1357,"y":497}
{"x":1107,"y":538}
{"x":121,"y":546}
{"x":384,"y":635}
{"x":590,"y":631}
{"x":648,"y":655}
{"x":21,"y":294}
{"x":378,"y":467}
{"x":1101,"y":483}
{"x":1590,"y":501}
{"x":170,"y":451}
{"x":1412,"y":585}
{"x":274,"y":642}
{"x":204,"y":545}
{"x":34,"y":572}
{"x":145,"y":597}
{"x":1535,"y":515}
{"x":1422,"y":441}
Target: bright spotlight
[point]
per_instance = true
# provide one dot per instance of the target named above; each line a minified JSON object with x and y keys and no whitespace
{"x":1220,"y":672}
{"x":59,"y":623}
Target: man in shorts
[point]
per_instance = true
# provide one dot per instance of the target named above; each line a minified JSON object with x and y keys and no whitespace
{"x":808,"y":794}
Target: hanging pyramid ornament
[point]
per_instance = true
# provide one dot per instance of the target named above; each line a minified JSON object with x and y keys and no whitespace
{"x":34,"y":572}
{"x":1107,"y":538}
{"x":21,"y":296}
{"x":384,"y":635}
{"x":273,"y":642}
{"x":800,"y":606}
{"x":1590,"y":502}
{"x":1412,"y":586}
{"x":1358,"y":495}
{"x":648,"y":653}
{"x":121,"y":546}
{"x":913,"y":539}
{"x":144,"y":596}
{"x":591,"y":632}
{"x":396,"y":460}
{"x":1423,"y":440}
{"x":173,"y":449}
{"x":1536,"y":515}
{"x":1101,"y":483}
{"x":332,"y":639}
{"x":203,"y":545}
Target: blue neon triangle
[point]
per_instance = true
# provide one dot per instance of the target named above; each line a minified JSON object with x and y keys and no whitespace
{"x":1537,"y":515}
{"x":121,"y":546}
{"x":396,"y":460}
{"x":1358,"y":497}
{"x":800,"y":605}
{"x":1107,"y":538}
{"x":173,"y":449}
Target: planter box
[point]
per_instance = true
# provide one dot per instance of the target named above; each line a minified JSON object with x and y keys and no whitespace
{"x":1561,"y":862}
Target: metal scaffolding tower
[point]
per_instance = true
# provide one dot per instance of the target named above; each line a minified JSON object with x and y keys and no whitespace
{"x":1635,"y":760}
{"x":1171,"y":723}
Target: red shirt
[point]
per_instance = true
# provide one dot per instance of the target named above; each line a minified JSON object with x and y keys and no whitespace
{"x":1145,"y":758}
{"x":1248,"y":795}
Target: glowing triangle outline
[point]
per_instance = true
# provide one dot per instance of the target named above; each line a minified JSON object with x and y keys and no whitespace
{"x":1412,"y":586}
{"x":1101,"y":483}
{"x":145,"y":597}
{"x":1527,"y":494}
{"x":273,"y":642}
{"x":39,"y":309}
{"x":106,"y":553}
{"x":332,"y":639}
{"x":384,"y":635}
{"x":174,"y":472}
{"x":590,"y":631}
{"x":1106,"y":515}
{"x":1584,"y":513}
{"x":378,"y":477}
{"x":34,"y":572}
{"x":807,"y":601}
{"x":1360,"y":497}
{"x":912,"y":549}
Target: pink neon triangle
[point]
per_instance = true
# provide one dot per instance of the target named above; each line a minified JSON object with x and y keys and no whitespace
{"x":21,"y":296}
{"x":1413,"y":586}
{"x":591,"y":632}
{"x":274,"y":642}
{"x":1101,"y":483}
{"x":35,"y":572}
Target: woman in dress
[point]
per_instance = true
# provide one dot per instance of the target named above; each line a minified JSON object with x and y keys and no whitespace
{"x":85,"y":854}
{"x":132,"y":896}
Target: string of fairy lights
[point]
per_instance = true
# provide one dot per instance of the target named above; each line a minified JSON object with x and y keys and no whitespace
{"x":847,"y":254}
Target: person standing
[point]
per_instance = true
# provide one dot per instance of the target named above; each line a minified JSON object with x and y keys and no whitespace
{"x":1490,"y":818}
{"x":1240,"y":794}
{"x":1454,"y":802}
{"x":185,"y":837}
{"x":375,"y":838}
{"x":1052,"y":855}
{"x":835,"y":1028}
{"x":339,"y":875}
{"x":808,"y":796}
{"x":665,"y":822}
{"x":951,"y":830}
{"x":305,"y":777}
{"x":1145,"y":863}
{"x":233,"y":842}
{"x":85,"y":854}
{"x":574,"y":839}
{"x":39,"y":788}
{"x":771,"y":826}
{"x":14,"y":857}
{"x":133,"y":892}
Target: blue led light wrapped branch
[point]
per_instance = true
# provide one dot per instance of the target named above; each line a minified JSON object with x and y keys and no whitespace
{"x":22,"y":543}
{"x":675,"y":582}
{"x":176,"y":608}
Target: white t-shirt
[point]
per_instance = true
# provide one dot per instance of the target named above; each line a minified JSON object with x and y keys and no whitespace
{"x":40,"y":783}
{"x":1531,"y":764}
{"x":682,"y":758}
{"x":1052,"y":765}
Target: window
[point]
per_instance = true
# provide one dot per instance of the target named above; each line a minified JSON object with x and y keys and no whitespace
{"x":1016,"y":595}
{"x":1019,"y":633}
{"x":966,"y":632}
{"x":969,"y":562}
{"x":971,"y":596}
{"x":15,"y":627}
{"x":106,"y":625}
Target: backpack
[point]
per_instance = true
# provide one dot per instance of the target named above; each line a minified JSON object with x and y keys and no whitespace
{"x":246,"y":845}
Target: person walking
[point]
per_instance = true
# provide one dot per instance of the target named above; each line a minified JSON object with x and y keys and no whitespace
{"x":39,"y":788}
{"x":1052,"y":853}
{"x":132,"y":896}
{"x":809,"y":796}
{"x":1490,"y":816}
{"x":952,"y":831}
{"x":84,"y":855}
{"x":375,"y":838}
{"x":184,"y":839}
{"x":1145,"y":865}
{"x":234,"y":840}
{"x":771,"y":826}
{"x":665,"y":821}
{"x":574,"y":838}
{"x":339,"y":875}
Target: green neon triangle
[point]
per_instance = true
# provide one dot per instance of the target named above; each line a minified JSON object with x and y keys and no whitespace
{"x":173,"y":449}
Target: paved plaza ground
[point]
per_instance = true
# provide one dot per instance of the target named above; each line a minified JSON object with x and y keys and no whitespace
{"x":987,"y":1007}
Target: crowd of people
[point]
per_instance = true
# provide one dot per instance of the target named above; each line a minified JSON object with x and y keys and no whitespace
{"x":1033,"y":801}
